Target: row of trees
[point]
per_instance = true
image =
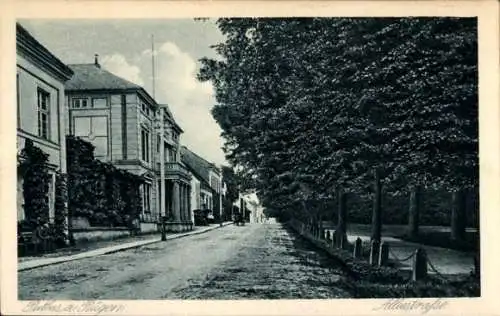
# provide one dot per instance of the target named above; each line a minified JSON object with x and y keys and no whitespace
{"x":315,"y":107}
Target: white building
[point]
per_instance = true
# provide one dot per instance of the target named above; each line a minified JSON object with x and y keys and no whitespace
{"x":208,"y":180}
{"x":40,"y":79}
{"x":251,"y":203}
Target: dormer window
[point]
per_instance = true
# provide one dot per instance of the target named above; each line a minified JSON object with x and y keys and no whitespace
{"x":79,"y":103}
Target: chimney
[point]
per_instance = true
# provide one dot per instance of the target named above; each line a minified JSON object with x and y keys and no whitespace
{"x":96,"y":60}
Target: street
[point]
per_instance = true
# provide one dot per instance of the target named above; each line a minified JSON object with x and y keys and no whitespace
{"x":256,"y":261}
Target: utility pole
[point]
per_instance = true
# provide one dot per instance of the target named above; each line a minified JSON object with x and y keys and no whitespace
{"x":153,"y":64}
{"x":163,"y":211}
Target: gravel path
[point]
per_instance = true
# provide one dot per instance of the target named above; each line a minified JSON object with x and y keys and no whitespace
{"x":255,"y":261}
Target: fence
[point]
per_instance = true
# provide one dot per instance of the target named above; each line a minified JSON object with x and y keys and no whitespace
{"x":380,"y":253}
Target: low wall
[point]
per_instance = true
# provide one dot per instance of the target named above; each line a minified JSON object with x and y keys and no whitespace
{"x":80,"y":223}
{"x":179,"y":226}
{"x":149,"y":227}
{"x":99,"y":233}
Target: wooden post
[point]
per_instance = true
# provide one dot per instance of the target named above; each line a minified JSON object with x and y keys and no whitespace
{"x":419,"y":265}
{"x":328,"y":238}
{"x":414,"y":212}
{"x":383,"y":257}
{"x":374,"y":251}
{"x":341,"y":225}
{"x":477,"y":265}
{"x":377,"y":209}
{"x":458,"y":216}
{"x":357,"y":248}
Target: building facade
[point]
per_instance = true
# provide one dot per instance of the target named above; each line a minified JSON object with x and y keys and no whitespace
{"x":132,"y":131}
{"x":40,"y":78}
{"x":195,"y":195}
{"x":211,"y":184}
{"x":174,"y":179}
{"x":249,"y":206}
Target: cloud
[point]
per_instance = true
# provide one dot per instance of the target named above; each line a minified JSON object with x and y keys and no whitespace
{"x":118,"y":65}
{"x":189,"y":100}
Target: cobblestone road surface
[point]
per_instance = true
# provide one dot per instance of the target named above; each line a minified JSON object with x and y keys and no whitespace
{"x":256,"y":261}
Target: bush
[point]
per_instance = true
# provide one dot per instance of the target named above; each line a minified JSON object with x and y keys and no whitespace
{"x":61,"y":210}
{"x":99,"y":191}
{"x":465,"y":287}
{"x":33,"y":168}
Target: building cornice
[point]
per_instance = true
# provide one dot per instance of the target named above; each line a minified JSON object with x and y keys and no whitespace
{"x":171,"y":120}
{"x":140,"y":91}
{"x":31,"y":49}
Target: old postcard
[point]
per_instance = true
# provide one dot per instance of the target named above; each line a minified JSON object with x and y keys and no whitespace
{"x":249,"y":158}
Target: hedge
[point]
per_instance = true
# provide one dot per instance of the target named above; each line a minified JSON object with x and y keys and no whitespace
{"x":99,"y":191}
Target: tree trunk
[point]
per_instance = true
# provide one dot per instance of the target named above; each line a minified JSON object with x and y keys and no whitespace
{"x":458,"y":216}
{"x":342,"y":217}
{"x":377,"y":209}
{"x":414,"y":212}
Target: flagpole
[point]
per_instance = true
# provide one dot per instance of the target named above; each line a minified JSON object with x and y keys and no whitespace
{"x":153,"y":62}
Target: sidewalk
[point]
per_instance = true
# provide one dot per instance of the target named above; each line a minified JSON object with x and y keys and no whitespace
{"x":49,"y":259}
{"x":445,"y":261}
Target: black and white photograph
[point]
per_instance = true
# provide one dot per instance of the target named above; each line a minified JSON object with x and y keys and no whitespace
{"x":247,"y":158}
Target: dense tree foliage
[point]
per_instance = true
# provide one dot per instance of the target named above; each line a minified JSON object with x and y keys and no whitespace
{"x":232,"y":183}
{"x":99,"y":191}
{"x":33,"y":169}
{"x":311,"y":105}
{"x":232,"y":190}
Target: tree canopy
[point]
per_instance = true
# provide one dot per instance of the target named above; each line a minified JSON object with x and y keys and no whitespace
{"x":311,"y":105}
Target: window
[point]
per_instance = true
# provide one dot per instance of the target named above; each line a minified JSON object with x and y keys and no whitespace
{"x":99,"y":103}
{"x":145,"y":108}
{"x":146,"y":198}
{"x":79,"y":103}
{"x":95,"y":130}
{"x":166,"y":152}
{"x":158,"y":143}
{"x":145,"y":145}
{"x":43,"y":98}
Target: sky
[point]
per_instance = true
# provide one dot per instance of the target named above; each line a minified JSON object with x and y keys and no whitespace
{"x":124,"y":48}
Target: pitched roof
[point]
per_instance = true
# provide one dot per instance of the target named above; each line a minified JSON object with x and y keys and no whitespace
{"x":171,"y":117}
{"x":29,"y":47}
{"x":199,"y":166}
{"x":94,"y":77}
